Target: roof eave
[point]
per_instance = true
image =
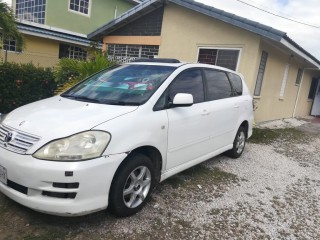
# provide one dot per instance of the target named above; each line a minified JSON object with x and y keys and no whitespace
{"x":143,"y":8}
{"x":134,"y":1}
{"x":293,"y":46}
{"x":54,"y":35}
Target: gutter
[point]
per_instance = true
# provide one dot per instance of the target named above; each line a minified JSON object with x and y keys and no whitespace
{"x":293,"y":46}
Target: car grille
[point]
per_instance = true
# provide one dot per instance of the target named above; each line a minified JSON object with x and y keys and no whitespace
{"x":20,"y":142}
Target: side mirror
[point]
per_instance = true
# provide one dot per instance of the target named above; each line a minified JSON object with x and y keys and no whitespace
{"x":182,"y":100}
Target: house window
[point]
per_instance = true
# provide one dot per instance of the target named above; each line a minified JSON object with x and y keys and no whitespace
{"x":127,"y":53}
{"x":284,"y":80}
{"x":31,"y":10}
{"x":9,"y":45}
{"x":262,"y":67}
{"x":227,"y":58}
{"x":69,"y":51}
{"x":313,"y":88}
{"x":299,"y":76}
{"x":81,"y":6}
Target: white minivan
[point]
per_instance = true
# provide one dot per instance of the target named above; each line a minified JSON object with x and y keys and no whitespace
{"x":107,"y":141}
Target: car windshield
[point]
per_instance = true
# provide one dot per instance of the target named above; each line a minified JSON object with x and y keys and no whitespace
{"x":122,"y":85}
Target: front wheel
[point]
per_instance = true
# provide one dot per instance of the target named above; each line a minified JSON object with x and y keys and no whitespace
{"x":238,"y":144}
{"x":132,"y":185}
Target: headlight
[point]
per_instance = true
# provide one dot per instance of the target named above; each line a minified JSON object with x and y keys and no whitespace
{"x":82,"y":146}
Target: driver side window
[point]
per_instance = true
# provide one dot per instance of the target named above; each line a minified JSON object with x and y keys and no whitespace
{"x":189,"y":81}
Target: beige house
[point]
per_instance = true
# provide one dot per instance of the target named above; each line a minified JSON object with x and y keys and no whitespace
{"x":281,"y":75}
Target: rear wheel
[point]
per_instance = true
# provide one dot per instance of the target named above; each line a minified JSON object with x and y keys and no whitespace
{"x":132,"y":185}
{"x":238,"y":144}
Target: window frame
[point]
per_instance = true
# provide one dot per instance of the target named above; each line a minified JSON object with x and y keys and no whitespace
{"x":222,"y":48}
{"x":299,"y":77}
{"x":18,"y":15}
{"x":78,"y":12}
{"x":6,"y":43}
{"x":263,"y":53}
{"x":158,"y":107}
{"x":70,"y":54}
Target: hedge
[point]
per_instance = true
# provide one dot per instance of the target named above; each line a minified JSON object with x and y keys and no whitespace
{"x":24,"y":83}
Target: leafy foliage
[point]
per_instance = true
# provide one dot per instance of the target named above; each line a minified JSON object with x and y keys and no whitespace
{"x":71,"y":71}
{"x":24,"y":83}
{"x":8,"y":26}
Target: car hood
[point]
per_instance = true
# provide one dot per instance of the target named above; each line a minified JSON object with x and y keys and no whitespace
{"x":59,"y":117}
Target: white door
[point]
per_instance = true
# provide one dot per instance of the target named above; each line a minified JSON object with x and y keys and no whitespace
{"x":224,"y":108}
{"x":315,"y":111}
{"x":188,"y":136}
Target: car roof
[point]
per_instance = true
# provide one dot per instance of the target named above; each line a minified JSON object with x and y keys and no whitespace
{"x":157,"y":64}
{"x":179,"y":64}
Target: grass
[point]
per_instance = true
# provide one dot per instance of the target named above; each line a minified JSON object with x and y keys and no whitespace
{"x":267,"y":136}
{"x":200,"y":175}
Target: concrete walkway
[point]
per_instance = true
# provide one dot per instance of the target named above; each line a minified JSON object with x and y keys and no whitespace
{"x":312,"y":127}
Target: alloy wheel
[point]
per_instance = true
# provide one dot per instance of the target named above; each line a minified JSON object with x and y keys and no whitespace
{"x":137,"y":187}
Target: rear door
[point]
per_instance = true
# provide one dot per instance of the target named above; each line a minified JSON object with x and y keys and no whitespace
{"x":223,"y":109}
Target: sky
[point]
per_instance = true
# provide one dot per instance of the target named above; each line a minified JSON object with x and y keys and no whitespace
{"x":306,"y":11}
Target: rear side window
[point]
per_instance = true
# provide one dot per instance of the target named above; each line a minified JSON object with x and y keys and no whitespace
{"x":236,"y":83}
{"x":218,"y":85}
{"x":189,"y":81}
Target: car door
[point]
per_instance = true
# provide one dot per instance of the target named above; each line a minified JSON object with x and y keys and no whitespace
{"x":223,"y":109}
{"x":188,"y":137}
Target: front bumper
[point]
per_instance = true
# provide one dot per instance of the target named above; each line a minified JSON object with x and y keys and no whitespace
{"x":46,"y":187}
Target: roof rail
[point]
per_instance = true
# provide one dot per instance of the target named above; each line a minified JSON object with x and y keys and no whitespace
{"x":159,"y":60}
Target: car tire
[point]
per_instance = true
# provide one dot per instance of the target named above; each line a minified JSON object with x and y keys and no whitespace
{"x":132,"y":185}
{"x":238,"y":143}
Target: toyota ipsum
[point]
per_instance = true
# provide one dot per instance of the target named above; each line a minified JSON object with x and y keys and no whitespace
{"x":109,"y":140}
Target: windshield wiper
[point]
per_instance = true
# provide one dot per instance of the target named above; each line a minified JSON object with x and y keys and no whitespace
{"x":80,"y":98}
{"x":122,"y":103}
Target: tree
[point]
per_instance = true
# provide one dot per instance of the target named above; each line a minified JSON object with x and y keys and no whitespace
{"x":8,"y":26}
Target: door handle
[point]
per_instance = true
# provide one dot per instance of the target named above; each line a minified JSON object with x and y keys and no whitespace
{"x":236,"y":106}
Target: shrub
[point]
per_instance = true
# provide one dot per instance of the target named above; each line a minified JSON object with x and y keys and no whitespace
{"x":24,"y":83}
{"x":71,"y":71}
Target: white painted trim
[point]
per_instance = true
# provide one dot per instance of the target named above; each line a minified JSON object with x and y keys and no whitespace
{"x":80,"y":13}
{"x":222,"y":48}
{"x":299,"y":52}
{"x":284,"y":80}
{"x":298,"y":95}
{"x":54,"y":38}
